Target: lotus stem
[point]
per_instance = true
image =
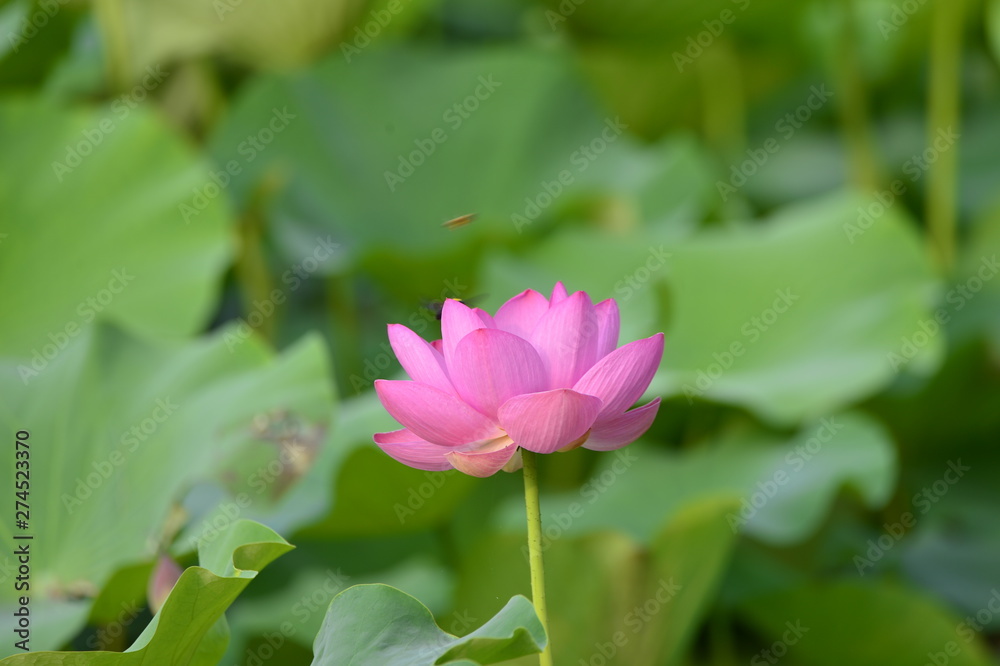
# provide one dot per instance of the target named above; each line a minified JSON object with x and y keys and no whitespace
{"x":535,"y":549}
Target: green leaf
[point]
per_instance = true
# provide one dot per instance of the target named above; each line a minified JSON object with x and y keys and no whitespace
{"x":533,"y":98}
{"x":607,"y":594}
{"x":12,"y":17}
{"x":179,"y":410}
{"x":834,"y":340}
{"x":689,"y":559}
{"x":803,"y":316}
{"x":656,"y":64}
{"x":950,"y":552}
{"x":591,"y":584}
{"x":524,"y":93}
{"x":782,"y":486}
{"x":378,"y":625}
{"x":128,"y":173}
{"x":992,"y":25}
{"x":843,"y":622}
{"x":236,"y":552}
{"x":248,"y":31}
{"x":190,"y":630}
{"x":298,"y":600}
{"x":121,"y":594}
{"x":34,"y":43}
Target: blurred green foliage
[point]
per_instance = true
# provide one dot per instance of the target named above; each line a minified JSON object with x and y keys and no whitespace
{"x":212,"y":208}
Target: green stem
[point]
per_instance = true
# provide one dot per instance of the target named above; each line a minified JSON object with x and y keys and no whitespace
{"x":723,"y":104}
{"x":722,"y":100}
{"x":945,"y":60}
{"x":853,"y":103}
{"x":111,"y":19}
{"x":535,"y":549}
{"x":251,"y":269}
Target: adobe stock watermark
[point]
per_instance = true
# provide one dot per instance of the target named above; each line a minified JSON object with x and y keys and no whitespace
{"x":86,"y":310}
{"x":128,"y":443}
{"x":249,"y":148}
{"x":579,"y":161}
{"x":304,"y":608}
{"x":966,"y":631}
{"x":461,"y":622}
{"x":105,"y":636}
{"x":223,"y":7}
{"x":900,"y":14}
{"x":556,"y":524}
{"x":786,"y":127}
{"x":293,"y":278}
{"x":923,"y":502}
{"x":259,"y":480}
{"x":418,"y":321}
{"x":698,"y":44}
{"x":565,"y":9}
{"x":454,"y":117}
{"x":419,"y":496}
{"x":913,"y":169}
{"x":8,"y":567}
{"x":779,"y":648}
{"x":31,"y":24}
{"x":378,"y":20}
{"x":626,"y":288}
{"x":634,"y":621}
{"x":795,"y":461}
{"x":957,"y":298}
{"x":121,"y":107}
{"x":752,"y":331}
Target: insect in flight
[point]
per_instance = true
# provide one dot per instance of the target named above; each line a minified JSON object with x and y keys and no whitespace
{"x":437,"y":306}
{"x":459,"y":221}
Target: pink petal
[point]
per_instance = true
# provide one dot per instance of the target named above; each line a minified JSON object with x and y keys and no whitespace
{"x":482,"y":463}
{"x":608,"y":325}
{"x":457,"y":321}
{"x":566,"y":338}
{"x":410,"y":450}
{"x":434,"y":415}
{"x":437,"y":345}
{"x":490,"y":366}
{"x":544,"y":422}
{"x":421,"y":361}
{"x":397,"y":437}
{"x":558,"y":293}
{"x":617,"y":431}
{"x":486,"y":317}
{"x":621,"y":377}
{"x":515,"y":463}
{"x":520,"y":314}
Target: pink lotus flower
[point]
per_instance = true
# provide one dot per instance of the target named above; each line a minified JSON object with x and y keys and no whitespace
{"x":542,"y":374}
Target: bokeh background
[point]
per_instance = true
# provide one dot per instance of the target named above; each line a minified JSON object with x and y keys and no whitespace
{"x":212,"y":208}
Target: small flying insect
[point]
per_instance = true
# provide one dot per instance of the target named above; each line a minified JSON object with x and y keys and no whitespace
{"x":459,"y":221}
{"x":438,"y":305}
